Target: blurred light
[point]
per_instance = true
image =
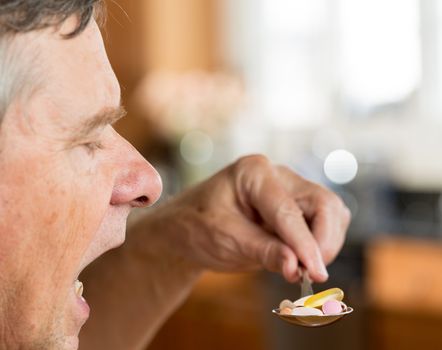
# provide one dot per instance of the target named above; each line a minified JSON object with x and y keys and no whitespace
{"x":340,"y":166}
{"x":291,"y":89}
{"x":380,"y":49}
{"x":294,"y":16}
{"x":196,"y":147}
{"x":291,"y":83}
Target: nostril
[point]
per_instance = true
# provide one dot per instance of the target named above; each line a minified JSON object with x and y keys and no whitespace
{"x":142,"y":200}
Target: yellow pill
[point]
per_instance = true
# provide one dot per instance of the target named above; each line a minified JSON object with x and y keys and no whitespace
{"x":318,"y":299}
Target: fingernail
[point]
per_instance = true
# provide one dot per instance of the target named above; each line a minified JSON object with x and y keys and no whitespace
{"x":322,"y":271}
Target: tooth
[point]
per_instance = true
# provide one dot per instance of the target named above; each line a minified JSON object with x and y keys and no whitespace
{"x":78,"y":288}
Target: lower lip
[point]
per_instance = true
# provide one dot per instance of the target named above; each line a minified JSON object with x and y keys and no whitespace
{"x":83,"y":308}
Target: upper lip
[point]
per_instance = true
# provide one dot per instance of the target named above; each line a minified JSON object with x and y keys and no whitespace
{"x":114,"y":244}
{"x":95,"y":257}
{"x":92,"y":258}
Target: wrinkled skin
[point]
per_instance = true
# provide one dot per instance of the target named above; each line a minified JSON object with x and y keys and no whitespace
{"x":251,"y":215}
{"x":64,"y":199}
{"x":254,"y":215}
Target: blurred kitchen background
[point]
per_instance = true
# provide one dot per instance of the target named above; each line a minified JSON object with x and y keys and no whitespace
{"x":346,"y":92}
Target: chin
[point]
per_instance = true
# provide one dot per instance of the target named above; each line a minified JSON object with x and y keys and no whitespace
{"x":72,"y":343}
{"x":54,"y":342}
{"x":64,"y":341}
{"x":65,"y":329}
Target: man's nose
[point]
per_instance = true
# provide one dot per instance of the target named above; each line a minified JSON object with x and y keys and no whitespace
{"x":138,"y":184}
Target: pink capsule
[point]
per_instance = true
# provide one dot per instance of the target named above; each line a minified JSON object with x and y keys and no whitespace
{"x":332,"y":307}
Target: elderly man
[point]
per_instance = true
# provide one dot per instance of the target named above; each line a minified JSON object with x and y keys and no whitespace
{"x":68,"y":182}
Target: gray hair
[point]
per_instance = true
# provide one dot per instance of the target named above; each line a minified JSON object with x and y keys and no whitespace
{"x":21,"y":16}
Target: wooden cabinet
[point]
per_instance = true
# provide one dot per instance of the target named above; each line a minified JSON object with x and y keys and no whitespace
{"x":404,"y":288}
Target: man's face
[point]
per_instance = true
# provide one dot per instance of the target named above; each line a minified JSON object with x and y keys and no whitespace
{"x":67,"y":184}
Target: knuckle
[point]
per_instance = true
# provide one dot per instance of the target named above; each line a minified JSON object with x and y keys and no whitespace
{"x":285,"y":206}
{"x":292,"y":176}
{"x":287,"y":210}
{"x":253,"y":160}
{"x":331,"y":199}
{"x":285,"y":169}
{"x":346,"y":216}
{"x":249,"y":171}
{"x":336,"y":202}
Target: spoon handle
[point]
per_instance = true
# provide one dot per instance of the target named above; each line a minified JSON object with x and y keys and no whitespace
{"x":306,"y":284}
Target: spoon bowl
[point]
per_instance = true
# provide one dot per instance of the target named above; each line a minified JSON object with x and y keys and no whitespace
{"x":312,"y":321}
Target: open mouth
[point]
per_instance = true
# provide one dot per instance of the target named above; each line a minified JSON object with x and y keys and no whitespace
{"x":83,"y":309}
{"x":78,"y":285}
{"x":80,"y":306}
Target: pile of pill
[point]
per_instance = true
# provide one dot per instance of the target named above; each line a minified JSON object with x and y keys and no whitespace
{"x":325,"y":303}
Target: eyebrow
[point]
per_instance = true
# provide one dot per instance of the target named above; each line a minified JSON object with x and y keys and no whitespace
{"x":104,"y":117}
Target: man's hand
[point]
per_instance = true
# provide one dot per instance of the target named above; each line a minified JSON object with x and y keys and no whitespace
{"x":250,"y":215}
{"x":254,"y":215}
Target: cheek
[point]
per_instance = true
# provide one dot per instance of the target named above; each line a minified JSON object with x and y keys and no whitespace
{"x":53,"y":214}
{"x":73,"y":213}
{"x":54,"y":211}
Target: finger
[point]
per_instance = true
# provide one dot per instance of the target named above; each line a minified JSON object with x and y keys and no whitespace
{"x":328,"y":230}
{"x":329,"y":222}
{"x":281,"y":212}
{"x":328,"y":215}
{"x":267,"y":250}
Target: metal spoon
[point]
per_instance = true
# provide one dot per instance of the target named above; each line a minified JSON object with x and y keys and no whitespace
{"x":306,"y":284}
{"x":310,"y":321}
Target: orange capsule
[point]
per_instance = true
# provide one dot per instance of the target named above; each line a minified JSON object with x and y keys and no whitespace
{"x":286,"y":311}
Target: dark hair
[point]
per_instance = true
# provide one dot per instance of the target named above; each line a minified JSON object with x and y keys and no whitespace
{"x":25,"y":15}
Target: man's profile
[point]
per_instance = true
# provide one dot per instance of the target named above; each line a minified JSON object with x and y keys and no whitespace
{"x":68,"y":182}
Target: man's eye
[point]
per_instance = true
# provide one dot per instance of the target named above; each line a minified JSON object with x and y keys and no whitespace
{"x":93,"y":146}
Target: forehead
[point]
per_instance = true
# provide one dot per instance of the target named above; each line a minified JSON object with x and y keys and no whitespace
{"x":78,"y":79}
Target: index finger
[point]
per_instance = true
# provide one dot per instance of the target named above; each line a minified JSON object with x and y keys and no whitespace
{"x":279,"y":210}
{"x":328,"y":216}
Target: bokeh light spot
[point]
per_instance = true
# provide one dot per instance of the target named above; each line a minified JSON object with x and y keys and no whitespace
{"x":340,"y":166}
{"x":196,"y":147}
